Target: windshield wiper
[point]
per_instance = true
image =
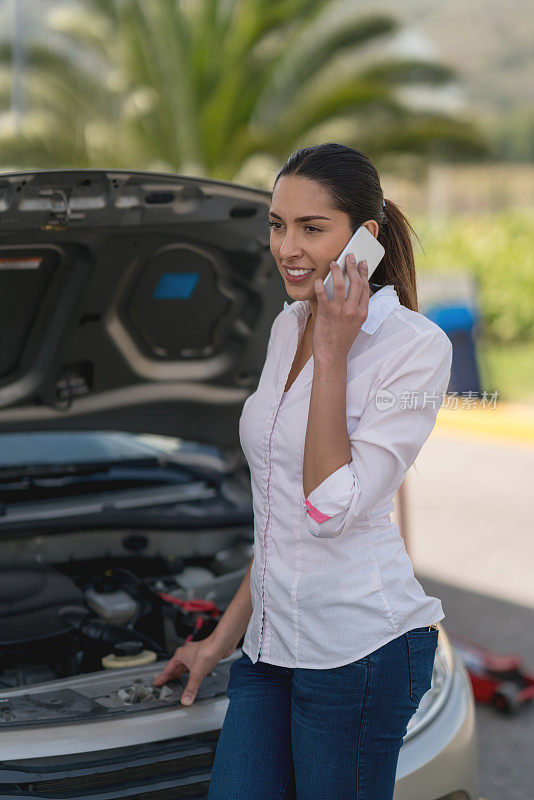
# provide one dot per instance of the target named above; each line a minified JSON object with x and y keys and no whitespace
{"x":62,"y":470}
{"x":29,"y":471}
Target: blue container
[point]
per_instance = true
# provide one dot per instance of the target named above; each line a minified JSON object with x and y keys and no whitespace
{"x":459,"y":323}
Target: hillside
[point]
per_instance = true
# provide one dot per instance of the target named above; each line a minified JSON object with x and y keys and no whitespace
{"x":488,"y":40}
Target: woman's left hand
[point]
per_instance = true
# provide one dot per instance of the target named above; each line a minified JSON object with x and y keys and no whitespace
{"x":339,"y":321}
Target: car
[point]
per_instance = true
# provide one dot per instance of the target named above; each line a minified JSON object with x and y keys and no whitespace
{"x":135,"y":313}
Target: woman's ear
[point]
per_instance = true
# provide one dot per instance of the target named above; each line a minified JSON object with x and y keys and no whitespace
{"x":372,"y":227}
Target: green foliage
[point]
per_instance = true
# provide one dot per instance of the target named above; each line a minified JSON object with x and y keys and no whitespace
{"x":205,"y":86}
{"x":498,"y":250}
{"x":508,"y":368}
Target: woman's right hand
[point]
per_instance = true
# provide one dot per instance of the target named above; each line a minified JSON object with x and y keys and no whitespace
{"x":197,"y":657}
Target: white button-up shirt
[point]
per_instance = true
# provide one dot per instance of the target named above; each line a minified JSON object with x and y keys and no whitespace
{"x":331,"y":580}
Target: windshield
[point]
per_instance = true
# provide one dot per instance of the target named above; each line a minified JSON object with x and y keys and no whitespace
{"x":47,"y":465}
{"x":49,"y":448}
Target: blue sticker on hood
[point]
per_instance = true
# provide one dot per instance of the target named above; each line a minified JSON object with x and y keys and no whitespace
{"x":173,"y":285}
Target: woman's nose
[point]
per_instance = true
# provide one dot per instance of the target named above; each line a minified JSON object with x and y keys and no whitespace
{"x":289,"y":247}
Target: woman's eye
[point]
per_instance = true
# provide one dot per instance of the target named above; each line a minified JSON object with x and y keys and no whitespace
{"x":310,"y":227}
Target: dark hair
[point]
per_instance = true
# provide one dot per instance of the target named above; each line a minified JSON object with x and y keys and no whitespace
{"x":353,"y":184}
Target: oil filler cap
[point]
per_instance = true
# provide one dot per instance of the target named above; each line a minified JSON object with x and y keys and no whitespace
{"x":129,"y":648}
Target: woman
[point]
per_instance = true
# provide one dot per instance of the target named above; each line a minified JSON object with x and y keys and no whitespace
{"x":339,"y":637}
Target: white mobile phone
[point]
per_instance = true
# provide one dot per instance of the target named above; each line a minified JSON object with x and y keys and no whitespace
{"x":364,"y":246}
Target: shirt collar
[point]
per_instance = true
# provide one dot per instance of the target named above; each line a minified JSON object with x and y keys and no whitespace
{"x":380,"y":304}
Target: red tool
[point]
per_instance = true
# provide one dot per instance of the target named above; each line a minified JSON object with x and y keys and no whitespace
{"x":497,"y":678}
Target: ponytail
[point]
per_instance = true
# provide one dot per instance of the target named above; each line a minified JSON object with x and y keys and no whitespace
{"x":398,"y":265}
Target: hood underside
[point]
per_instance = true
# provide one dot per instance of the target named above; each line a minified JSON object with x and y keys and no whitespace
{"x":132,"y":301}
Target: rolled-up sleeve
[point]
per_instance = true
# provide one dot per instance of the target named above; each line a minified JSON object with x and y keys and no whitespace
{"x":397,"y":420}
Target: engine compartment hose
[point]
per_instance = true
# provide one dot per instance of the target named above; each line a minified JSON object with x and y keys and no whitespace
{"x":108,"y":633}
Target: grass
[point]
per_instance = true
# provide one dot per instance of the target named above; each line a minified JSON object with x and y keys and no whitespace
{"x":508,"y":368}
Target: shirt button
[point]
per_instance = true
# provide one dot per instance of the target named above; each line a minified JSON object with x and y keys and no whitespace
{"x":265,"y":506}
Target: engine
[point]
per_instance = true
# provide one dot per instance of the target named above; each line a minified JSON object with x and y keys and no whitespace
{"x":79,"y":617}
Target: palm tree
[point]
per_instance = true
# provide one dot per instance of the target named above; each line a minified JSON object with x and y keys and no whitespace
{"x":207,"y":86}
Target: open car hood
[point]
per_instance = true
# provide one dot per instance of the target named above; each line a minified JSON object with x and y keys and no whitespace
{"x":132,"y":301}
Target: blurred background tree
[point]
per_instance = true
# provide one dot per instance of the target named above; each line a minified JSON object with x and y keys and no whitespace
{"x":220,"y":88}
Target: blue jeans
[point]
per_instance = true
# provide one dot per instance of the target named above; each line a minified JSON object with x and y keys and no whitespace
{"x":316,"y":734}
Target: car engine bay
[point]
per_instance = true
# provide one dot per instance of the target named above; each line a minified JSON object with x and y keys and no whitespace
{"x":117,"y":614}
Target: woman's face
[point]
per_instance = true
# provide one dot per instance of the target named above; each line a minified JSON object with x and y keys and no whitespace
{"x":308,"y":244}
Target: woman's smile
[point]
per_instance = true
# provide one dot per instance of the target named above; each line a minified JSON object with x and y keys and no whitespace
{"x":297,"y":275}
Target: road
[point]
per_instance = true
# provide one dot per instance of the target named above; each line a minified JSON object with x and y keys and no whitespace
{"x":469,"y":502}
